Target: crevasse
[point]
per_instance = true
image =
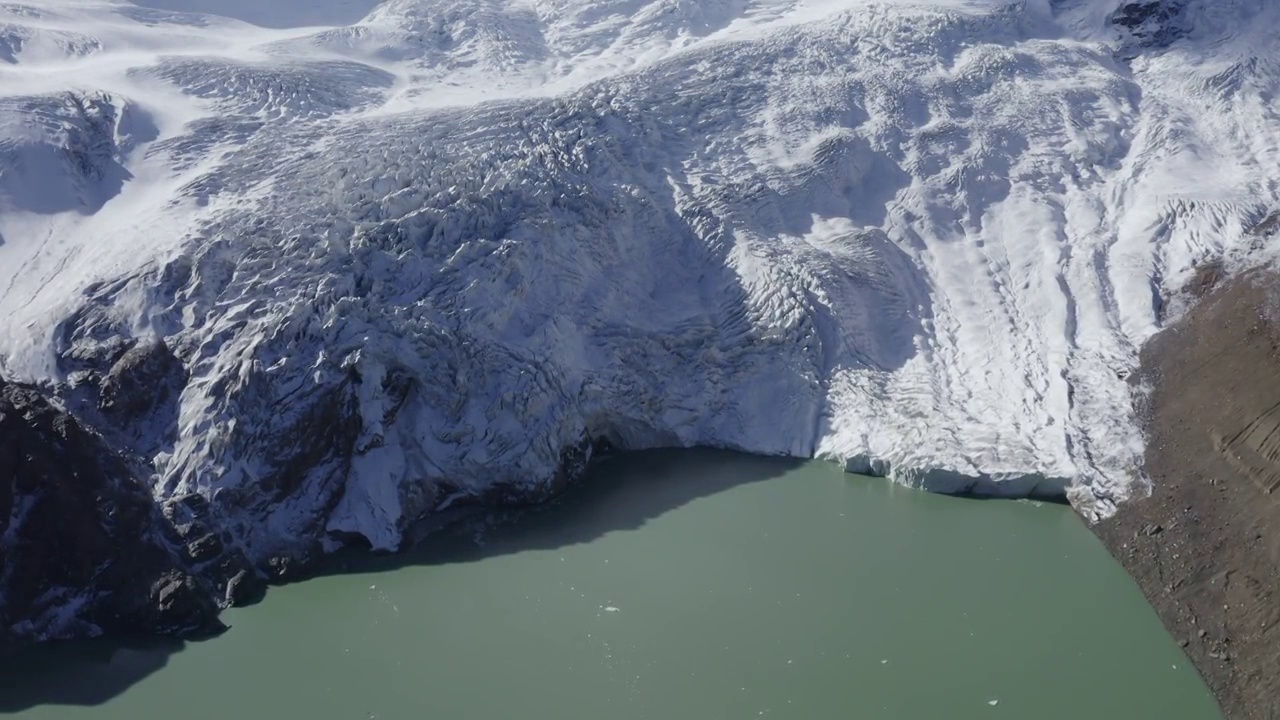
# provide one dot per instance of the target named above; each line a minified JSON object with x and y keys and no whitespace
{"x":446,"y":252}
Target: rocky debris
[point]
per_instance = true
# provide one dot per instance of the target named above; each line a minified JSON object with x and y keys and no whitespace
{"x":244,"y":588}
{"x":210,"y":551}
{"x":145,"y":377}
{"x":184,"y":602}
{"x":82,"y":547}
{"x":1267,"y":226}
{"x":1204,"y":547}
{"x":1154,"y":23}
{"x":1206,"y":278}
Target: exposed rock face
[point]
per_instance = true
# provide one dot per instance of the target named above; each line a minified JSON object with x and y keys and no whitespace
{"x":1205,"y":547}
{"x":82,"y":547}
{"x":85,"y":549}
{"x":144,"y":378}
{"x":1154,"y":23}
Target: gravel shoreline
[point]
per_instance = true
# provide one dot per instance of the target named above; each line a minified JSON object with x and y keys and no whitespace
{"x":1205,"y":547}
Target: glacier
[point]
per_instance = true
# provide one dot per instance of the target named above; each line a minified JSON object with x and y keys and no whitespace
{"x":383,"y":259}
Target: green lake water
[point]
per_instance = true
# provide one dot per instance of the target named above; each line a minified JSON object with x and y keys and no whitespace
{"x":672,"y":585}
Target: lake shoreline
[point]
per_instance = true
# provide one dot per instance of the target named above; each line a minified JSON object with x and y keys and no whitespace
{"x":1205,"y":546}
{"x":682,"y":584}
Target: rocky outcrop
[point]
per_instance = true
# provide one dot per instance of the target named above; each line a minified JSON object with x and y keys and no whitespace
{"x":1153,"y":23}
{"x":1205,"y":547}
{"x":145,"y":377}
{"x":83,"y":549}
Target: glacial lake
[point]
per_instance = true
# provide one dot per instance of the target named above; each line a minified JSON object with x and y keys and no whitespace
{"x":674,"y":585}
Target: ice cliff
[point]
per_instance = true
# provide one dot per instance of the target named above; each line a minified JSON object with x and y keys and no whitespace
{"x":328,"y":280}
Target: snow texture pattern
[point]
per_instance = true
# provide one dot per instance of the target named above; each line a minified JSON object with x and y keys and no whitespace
{"x":441,"y":252}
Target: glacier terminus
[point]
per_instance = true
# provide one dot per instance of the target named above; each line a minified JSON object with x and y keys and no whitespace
{"x":311,"y":277}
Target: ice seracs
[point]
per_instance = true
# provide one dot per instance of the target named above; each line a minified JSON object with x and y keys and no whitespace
{"x":443,"y":253}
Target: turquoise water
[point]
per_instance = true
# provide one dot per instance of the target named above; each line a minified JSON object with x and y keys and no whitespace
{"x":691,"y":584}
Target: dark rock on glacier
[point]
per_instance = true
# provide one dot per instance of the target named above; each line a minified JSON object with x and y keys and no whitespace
{"x":82,"y":547}
{"x":1154,"y":24}
{"x":144,"y":378}
{"x":210,"y":551}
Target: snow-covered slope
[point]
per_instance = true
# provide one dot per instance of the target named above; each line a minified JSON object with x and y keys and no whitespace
{"x":440,"y":254}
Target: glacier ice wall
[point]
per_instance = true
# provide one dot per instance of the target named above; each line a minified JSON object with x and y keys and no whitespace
{"x":441,"y":254}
